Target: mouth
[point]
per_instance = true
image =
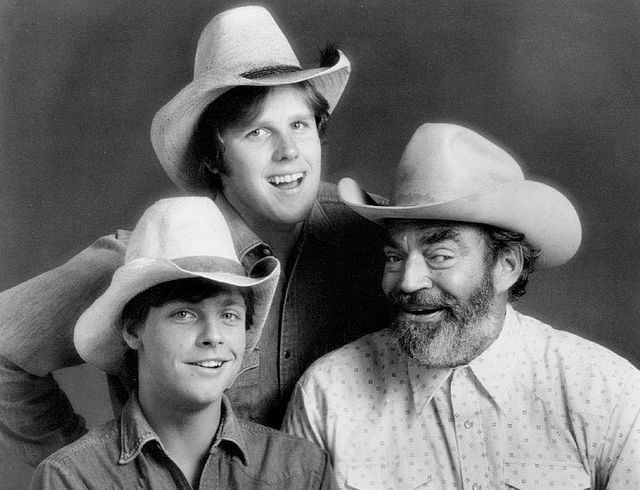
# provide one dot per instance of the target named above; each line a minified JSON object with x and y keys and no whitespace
{"x":208,"y":363}
{"x":286,"y":181}
{"x":422,"y":313}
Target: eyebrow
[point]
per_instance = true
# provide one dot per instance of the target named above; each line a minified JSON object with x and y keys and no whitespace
{"x":433,"y":236}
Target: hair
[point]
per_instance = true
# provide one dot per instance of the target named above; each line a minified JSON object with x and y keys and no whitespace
{"x":238,"y":106}
{"x":498,"y":241}
{"x":191,"y":290}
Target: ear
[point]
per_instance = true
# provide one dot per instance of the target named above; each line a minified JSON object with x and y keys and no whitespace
{"x":131,"y":335}
{"x":507,"y":269}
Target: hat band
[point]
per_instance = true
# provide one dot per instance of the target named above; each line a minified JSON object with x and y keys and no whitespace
{"x":267,"y":71}
{"x":207,"y":263}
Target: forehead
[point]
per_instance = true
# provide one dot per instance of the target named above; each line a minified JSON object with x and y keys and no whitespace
{"x":424,"y":233}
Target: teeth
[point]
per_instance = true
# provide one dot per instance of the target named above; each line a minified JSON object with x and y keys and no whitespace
{"x":281,"y":179}
{"x":208,"y":364}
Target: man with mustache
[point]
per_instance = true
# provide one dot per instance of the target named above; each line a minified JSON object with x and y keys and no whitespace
{"x":462,"y":391}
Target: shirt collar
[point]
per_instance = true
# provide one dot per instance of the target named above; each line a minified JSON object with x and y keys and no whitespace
{"x":243,"y":237}
{"x":135,"y":432}
{"x":495,"y":368}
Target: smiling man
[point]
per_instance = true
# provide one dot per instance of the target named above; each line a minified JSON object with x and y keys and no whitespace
{"x":247,"y":132}
{"x":462,"y":391}
{"x":178,"y":317}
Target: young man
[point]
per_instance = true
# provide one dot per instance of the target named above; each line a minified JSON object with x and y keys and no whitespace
{"x":246,"y":132}
{"x":183,"y":311}
{"x":461,"y":391}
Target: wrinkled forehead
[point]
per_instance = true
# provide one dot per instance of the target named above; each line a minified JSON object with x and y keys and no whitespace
{"x":402,"y":232}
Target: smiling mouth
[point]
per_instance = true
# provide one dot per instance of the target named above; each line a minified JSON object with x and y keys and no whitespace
{"x":286,"y":181}
{"x":209,"y":364}
{"x":423,"y":313}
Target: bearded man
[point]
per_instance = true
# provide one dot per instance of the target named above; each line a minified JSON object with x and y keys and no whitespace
{"x":462,"y":391}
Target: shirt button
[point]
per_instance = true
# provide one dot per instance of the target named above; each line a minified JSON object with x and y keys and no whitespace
{"x":287,"y":354}
{"x":467,"y":425}
{"x":476,"y":486}
{"x":267,"y":251}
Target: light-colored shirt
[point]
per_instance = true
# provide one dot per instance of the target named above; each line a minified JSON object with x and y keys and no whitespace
{"x":540,"y":408}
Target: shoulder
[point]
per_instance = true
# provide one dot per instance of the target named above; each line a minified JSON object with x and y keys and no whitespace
{"x":368,"y":354}
{"x":280,"y":455}
{"x":577,"y":364}
{"x":99,"y":446}
{"x":339,"y":216}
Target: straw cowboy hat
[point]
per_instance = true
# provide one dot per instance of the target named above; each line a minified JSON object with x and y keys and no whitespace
{"x":239,"y":47}
{"x":448,"y":172}
{"x":176,"y":238}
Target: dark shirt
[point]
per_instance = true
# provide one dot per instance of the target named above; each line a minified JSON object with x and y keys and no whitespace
{"x":127,"y":453}
{"x":330,"y":296}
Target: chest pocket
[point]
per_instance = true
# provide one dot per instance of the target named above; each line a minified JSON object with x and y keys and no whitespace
{"x":406,"y":474}
{"x":529,"y":475}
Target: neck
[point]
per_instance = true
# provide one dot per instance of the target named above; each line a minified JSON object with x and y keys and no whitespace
{"x":186,"y":434}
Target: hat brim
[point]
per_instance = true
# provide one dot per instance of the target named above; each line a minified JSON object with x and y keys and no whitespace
{"x":174,"y":124}
{"x":544,"y":215}
{"x":98,"y":332}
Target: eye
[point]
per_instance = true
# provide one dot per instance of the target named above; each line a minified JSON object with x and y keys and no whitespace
{"x":232,"y":316}
{"x":256,"y":133}
{"x":441,"y":260}
{"x":299,"y":125}
{"x":183,"y":315}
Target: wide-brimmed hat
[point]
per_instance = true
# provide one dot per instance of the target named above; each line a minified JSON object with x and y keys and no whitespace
{"x":176,"y":238}
{"x":449,"y":172}
{"x":239,"y":47}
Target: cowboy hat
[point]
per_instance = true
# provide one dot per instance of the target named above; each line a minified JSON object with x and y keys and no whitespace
{"x":236,"y":48}
{"x":176,"y":238}
{"x":448,"y":172}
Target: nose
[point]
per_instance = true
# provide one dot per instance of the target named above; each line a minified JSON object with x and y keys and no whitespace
{"x":287,"y":149}
{"x":416,"y":274}
{"x":210,"y":335}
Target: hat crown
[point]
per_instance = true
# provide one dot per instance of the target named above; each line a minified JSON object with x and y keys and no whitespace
{"x":181,"y":227}
{"x":242,"y":40}
{"x":443,"y":162}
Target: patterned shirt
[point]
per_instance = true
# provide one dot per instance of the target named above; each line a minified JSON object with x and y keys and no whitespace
{"x":128,"y":454}
{"x":540,"y":408}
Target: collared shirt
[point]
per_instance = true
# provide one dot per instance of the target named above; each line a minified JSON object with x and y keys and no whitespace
{"x":334,"y":277}
{"x":540,"y":408}
{"x":128,"y":454}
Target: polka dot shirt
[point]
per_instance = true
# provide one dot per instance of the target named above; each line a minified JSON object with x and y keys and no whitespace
{"x":540,"y":408}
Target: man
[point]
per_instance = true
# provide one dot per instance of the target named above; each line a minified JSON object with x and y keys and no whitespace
{"x":186,"y":311}
{"x":461,"y":391}
{"x":246,"y":131}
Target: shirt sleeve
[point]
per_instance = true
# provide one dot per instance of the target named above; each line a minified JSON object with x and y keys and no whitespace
{"x":37,"y":317}
{"x":620,"y":459}
{"x":302,"y":418}
{"x":36,"y":416}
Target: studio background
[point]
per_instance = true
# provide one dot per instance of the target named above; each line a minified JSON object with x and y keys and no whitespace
{"x":555,"y":81}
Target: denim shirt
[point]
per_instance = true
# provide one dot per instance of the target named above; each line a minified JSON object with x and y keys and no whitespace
{"x":330,"y":296}
{"x":127,"y":453}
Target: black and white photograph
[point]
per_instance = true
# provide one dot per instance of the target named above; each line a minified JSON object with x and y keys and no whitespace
{"x":320,"y":244}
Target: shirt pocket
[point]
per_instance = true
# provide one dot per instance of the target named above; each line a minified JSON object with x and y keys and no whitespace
{"x":529,"y":475}
{"x":406,"y":474}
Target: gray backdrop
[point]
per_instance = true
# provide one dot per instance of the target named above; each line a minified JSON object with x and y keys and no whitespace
{"x":555,"y":81}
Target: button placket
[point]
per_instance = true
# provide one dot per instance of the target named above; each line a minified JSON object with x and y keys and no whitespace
{"x":469,"y":430}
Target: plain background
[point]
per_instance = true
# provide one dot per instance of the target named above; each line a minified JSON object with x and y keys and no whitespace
{"x":554,"y":81}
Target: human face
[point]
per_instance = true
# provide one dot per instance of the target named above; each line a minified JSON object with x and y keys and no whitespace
{"x":438,"y":278}
{"x":272,"y":163}
{"x":189,"y":353}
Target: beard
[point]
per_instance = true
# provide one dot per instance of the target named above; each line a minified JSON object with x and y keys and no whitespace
{"x":465,"y":328}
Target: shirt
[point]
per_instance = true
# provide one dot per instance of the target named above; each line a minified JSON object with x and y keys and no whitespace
{"x":539,"y":408}
{"x":127,"y":453}
{"x":334,"y":277}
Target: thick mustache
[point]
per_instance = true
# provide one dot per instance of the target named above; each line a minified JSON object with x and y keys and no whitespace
{"x":422,"y":297}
